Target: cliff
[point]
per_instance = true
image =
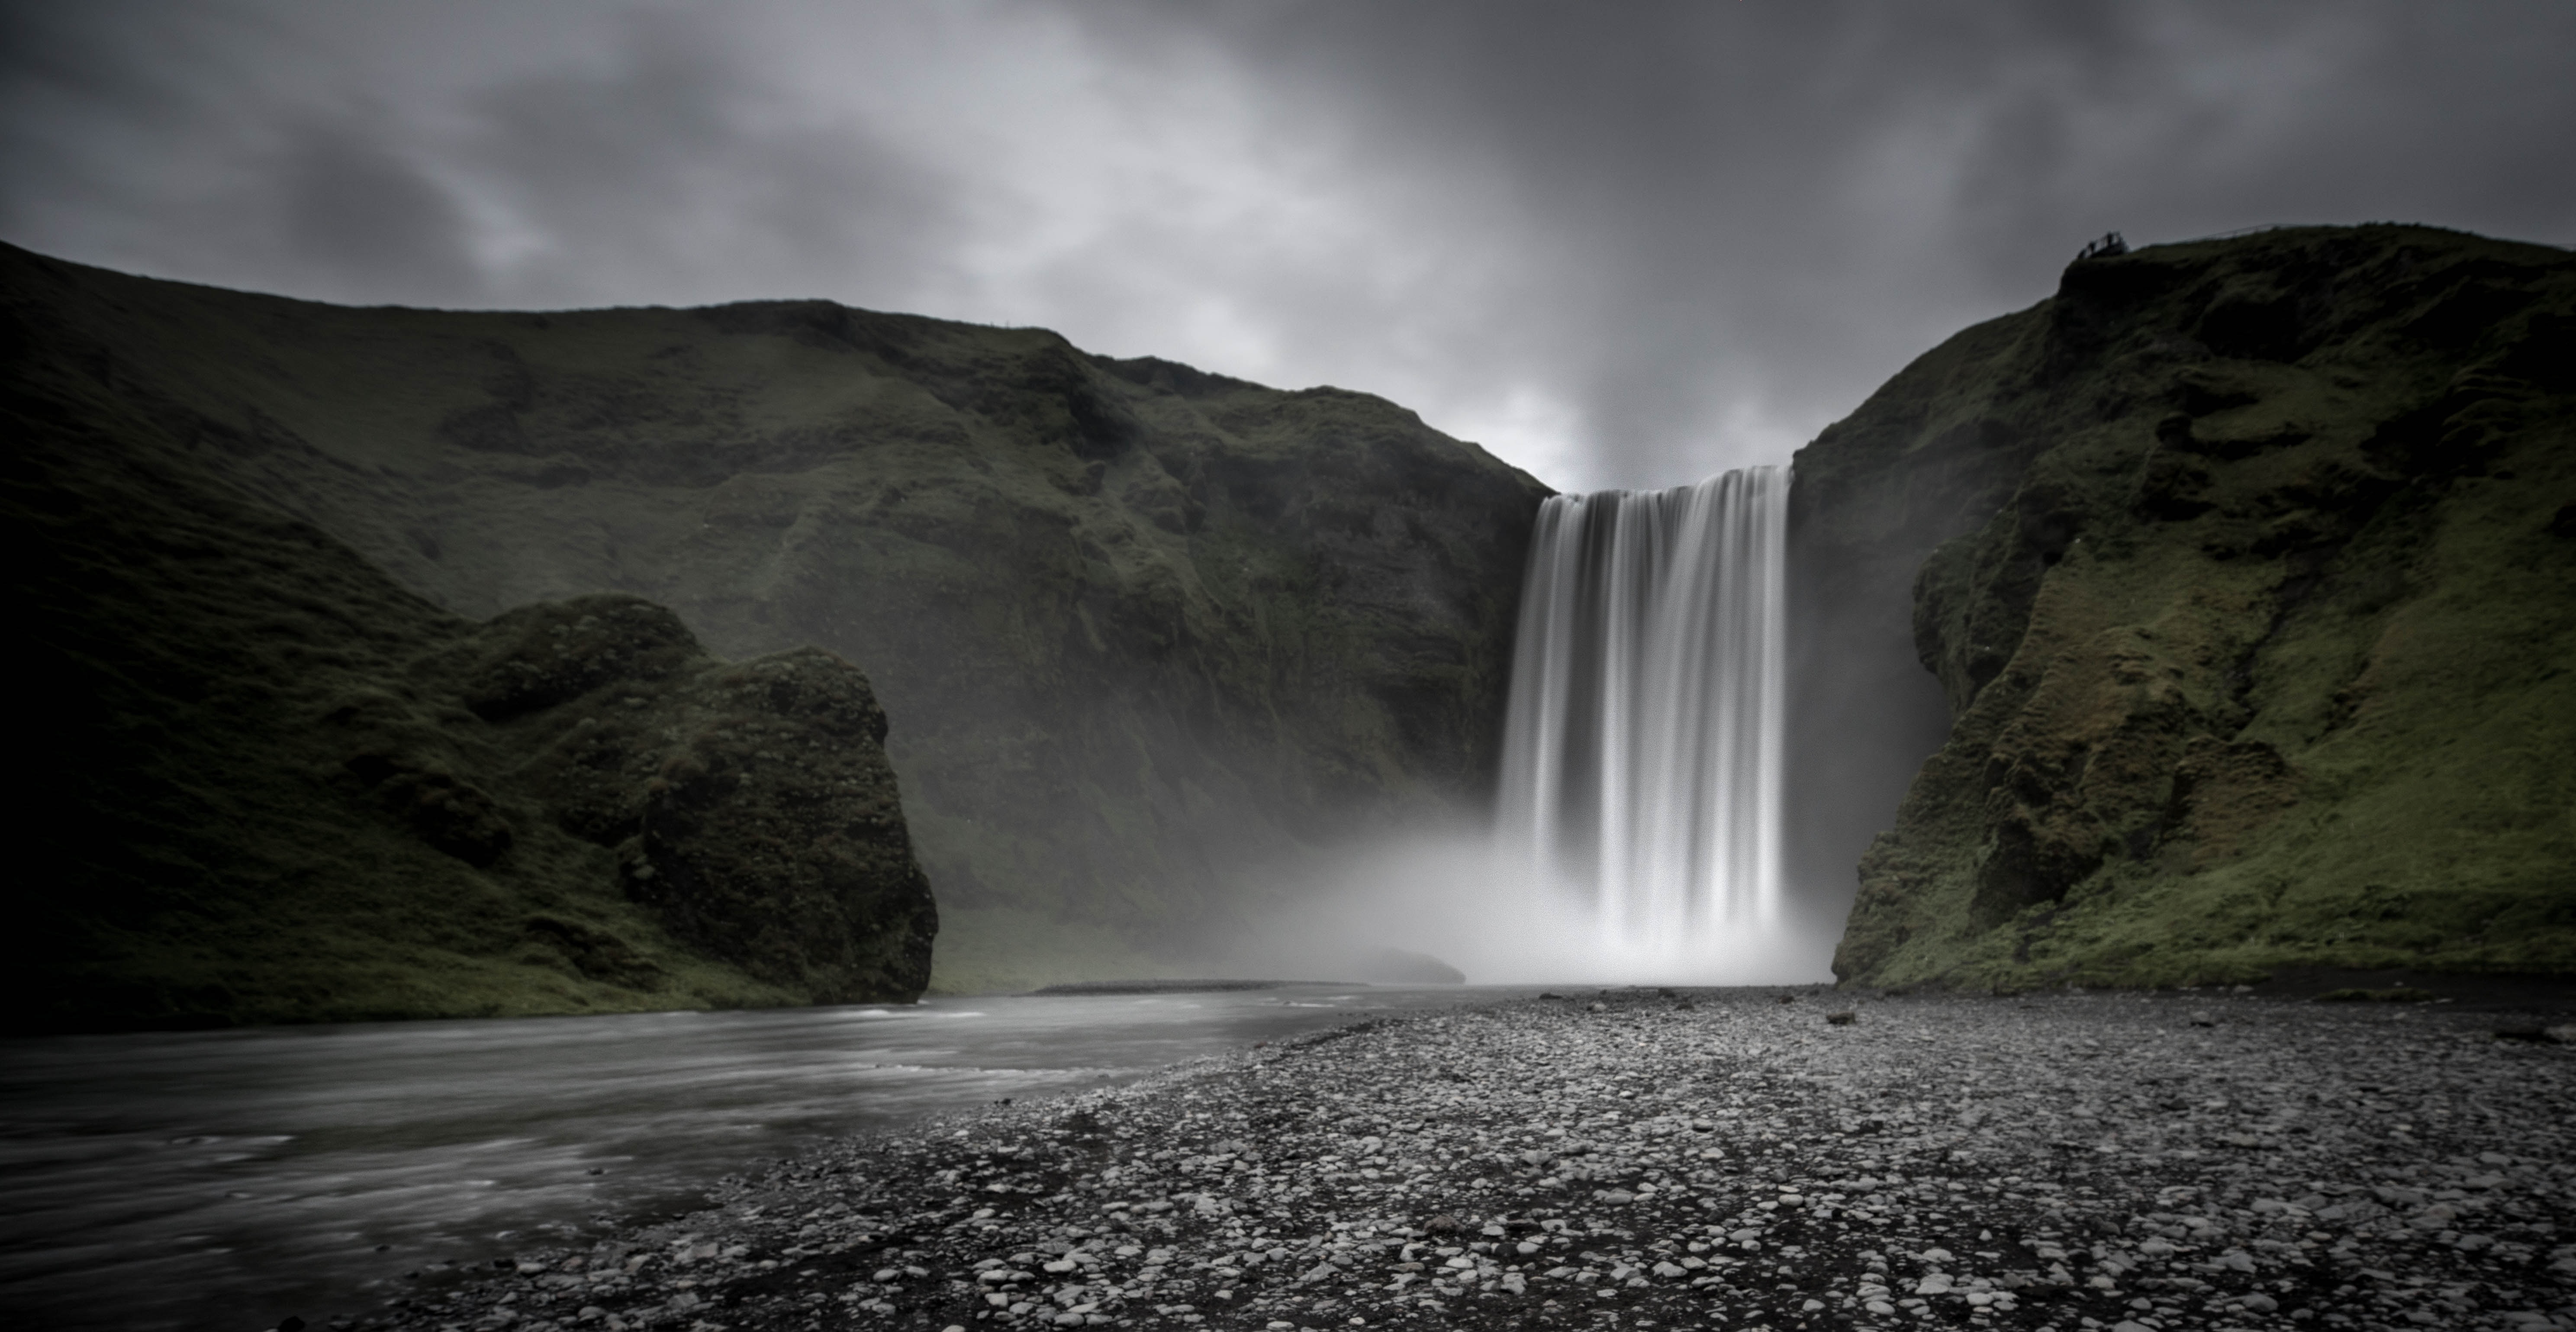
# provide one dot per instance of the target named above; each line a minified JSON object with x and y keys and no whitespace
{"x":2243,"y":568}
{"x":1142,"y":630}
{"x":260,"y":782}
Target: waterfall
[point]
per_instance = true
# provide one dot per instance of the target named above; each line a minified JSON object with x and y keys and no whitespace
{"x":1642,"y":754}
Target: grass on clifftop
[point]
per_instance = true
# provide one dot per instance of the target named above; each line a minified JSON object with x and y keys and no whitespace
{"x":2265,"y":655}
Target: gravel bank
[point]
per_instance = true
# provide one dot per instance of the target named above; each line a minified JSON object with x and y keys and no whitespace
{"x":1638,"y":1159}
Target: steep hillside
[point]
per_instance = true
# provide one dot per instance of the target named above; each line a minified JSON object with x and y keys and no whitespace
{"x":2248,"y":570}
{"x":260,"y":782}
{"x":1140,"y":628}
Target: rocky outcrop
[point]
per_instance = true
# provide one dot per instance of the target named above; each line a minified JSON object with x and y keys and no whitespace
{"x":263,"y":783}
{"x":1142,"y":628}
{"x":2242,"y":567}
{"x":749,"y":805}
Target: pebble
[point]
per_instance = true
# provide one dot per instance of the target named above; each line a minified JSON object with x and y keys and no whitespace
{"x":1714,"y":1160}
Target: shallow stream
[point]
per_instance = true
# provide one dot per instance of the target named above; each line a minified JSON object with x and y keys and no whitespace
{"x":227,"y":1180}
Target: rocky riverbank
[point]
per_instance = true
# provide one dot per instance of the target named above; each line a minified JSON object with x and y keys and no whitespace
{"x":1647,"y":1159}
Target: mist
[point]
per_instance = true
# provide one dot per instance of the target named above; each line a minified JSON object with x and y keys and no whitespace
{"x":1451,"y":893}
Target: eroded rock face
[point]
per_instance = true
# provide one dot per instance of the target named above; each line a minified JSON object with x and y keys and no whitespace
{"x":2236,"y":567}
{"x":749,"y":805}
{"x":273,"y":786}
{"x":1140,"y":626}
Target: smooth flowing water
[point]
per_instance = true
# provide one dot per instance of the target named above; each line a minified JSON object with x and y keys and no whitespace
{"x":225,"y":1180}
{"x":1642,"y":756}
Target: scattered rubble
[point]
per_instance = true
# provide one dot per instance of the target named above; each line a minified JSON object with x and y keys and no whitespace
{"x":2103,"y":1163}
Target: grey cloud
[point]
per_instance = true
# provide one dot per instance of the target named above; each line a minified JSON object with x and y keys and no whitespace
{"x":658,"y":173}
{"x":188,"y":142}
{"x":368,"y":220}
{"x":1703,"y":230}
{"x":1782,"y":202}
{"x":607,"y":155}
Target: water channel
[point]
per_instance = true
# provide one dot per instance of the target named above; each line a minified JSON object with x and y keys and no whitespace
{"x":222,"y":1181}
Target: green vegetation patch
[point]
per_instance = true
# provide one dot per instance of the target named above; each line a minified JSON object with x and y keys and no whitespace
{"x":2260,"y":652}
{"x":269,"y":785}
{"x":1136,"y":626}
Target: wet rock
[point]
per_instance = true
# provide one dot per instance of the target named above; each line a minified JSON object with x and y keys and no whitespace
{"x":2070,"y":1161}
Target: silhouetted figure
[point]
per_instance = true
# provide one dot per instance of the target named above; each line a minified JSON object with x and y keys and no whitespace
{"x":2109,"y":245}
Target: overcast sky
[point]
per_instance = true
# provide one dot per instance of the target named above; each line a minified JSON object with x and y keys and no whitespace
{"x":1619,"y":244}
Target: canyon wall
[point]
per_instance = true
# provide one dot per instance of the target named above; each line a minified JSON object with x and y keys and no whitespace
{"x":260,"y":782}
{"x":1144,"y":633}
{"x":2243,"y":568}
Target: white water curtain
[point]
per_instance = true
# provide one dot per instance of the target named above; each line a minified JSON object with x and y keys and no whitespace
{"x":1642,"y":756}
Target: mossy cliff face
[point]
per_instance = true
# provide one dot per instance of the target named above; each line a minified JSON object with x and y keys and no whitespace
{"x":748,"y":805}
{"x":1140,"y":628}
{"x":264,"y":783}
{"x":2245,"y":567}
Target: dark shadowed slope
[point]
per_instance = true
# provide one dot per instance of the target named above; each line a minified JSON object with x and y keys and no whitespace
{"x":1138,"y":627}
{"x":2251,"y":585}
{"x":260,"y":782}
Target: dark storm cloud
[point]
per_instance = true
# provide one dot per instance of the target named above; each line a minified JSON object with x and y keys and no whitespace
{"x":481,"y":156}
{"x":1779,"y":204}
{"x":675,"y":153}
{"x":365,"y":219}
{"x":1621,"y":243}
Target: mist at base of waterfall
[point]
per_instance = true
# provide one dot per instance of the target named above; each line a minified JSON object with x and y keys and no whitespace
{"x":1452,"y":894}
{"x":1637,"y":832}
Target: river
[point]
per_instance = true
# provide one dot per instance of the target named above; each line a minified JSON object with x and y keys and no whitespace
{"x":222,"y":1181}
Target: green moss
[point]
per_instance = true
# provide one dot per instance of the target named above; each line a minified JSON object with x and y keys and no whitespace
{"x":1136,"y":625}
{"x":275,"y":787}
{"x":2255,"y":630}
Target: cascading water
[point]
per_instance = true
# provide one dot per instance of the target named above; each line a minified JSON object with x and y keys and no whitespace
{"x":1642,"y":755}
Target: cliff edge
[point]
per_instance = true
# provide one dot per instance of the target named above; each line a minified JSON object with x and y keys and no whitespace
{"x":2244,"y":568}
{"x":263,"y":783}
{"x":1145,"y":630}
